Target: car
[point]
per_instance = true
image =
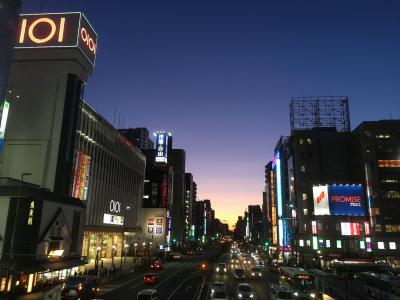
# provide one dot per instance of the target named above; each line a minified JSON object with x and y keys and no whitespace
{"x":147,"y":294}
{"x":273,"y":268}
{"x":221,"y":268}
{"x":80,"y":287}
{"x":244,"y":292}
{"x":280,"y":292}
{"x":156,"y":266}
{"x":151,"y":278}
{"x":239,"y":273}
{"x":256,"y":272}
{"x":218,"y":291}
{"x":176,"y":256}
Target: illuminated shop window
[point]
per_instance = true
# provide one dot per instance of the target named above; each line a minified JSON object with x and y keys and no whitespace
{"x":308,"y":243}
{"x":305,"y":211}
{"x":301,"y":243}
{"x":339,"y":244}
{"x":304,"y":196}
{"x":362,"y":244}
{"x":381,"y":245}
{"x":392,"y":245}
{"x":328,"y":243}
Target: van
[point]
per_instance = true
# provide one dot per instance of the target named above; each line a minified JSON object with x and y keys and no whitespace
{"x":280,"y":292}
{"x":148,"y":294}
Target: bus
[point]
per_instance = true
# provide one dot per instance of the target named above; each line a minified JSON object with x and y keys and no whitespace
{"x":381,"y":286}
{"x":299,"y":282}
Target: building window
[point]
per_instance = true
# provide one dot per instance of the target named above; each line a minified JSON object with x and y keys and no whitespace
{"x":309,"y":141}
{"x":389,"y":181}
{"x":301,"y":141}
{"x":383,"y":136}
{"x":30,"y":215}
{"x":378,"y":228}
{"x":301,"y":243}
{"x":339,"y":244}
{"x":146,"y":196}
{"x":328,"y":243}
{"x":302,"y":168}
{"x":381,"y":245}
{"x":392,"y":245}
{"x":391,"y":194}
{"x":389,"y":163}
{"x":308,"y":243}
{"x":388,"y":228}
{"x":304,"y":196}
{"x":305,"y":211}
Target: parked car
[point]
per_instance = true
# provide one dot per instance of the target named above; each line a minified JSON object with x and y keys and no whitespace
{"x":80,"y":287}
{"x":147,"y":294}
{"x":151,"y":278}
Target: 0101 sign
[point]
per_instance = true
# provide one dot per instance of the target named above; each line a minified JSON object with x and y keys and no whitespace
{"x":58,"y":30}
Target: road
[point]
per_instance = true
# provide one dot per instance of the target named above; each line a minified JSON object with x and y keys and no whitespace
{"x":259,"y":286}
{"x":178,"y":280}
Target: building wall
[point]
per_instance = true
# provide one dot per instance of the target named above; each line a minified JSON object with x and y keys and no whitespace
{"x":178,"y":163}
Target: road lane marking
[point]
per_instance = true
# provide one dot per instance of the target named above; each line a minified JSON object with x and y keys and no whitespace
{"x":179,"y":286}
{"x":173,"y":274}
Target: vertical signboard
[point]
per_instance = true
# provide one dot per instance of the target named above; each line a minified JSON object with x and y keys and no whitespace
{"x":81,"y":176}
{"x":3,"y":122}
{"x":161,"y":147}
{"x":321,"y":200}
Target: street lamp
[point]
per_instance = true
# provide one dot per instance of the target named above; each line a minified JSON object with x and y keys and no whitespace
{"x":150,"y":254}
{"x":14,"y":228}
{"x":134,"y":257}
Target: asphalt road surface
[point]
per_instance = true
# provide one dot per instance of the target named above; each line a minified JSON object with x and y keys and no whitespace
{"x":260,"y":286}
{"x":178,"y":280}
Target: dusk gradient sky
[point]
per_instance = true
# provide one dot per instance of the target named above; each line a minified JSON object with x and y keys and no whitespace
{"x":219,"y":74}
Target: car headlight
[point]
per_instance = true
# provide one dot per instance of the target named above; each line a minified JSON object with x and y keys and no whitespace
{"x":312,"y":295}
{"x":240,"y":295}
{"x":251,"y":295}
{"x":217,"y":269}
{"x":295,"y":294}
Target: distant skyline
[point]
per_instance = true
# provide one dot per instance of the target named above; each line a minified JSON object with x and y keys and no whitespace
{"x":220,"y":74}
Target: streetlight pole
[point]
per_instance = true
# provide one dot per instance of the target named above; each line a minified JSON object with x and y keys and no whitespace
{"x":11,"y":254}
{"x":98,"y":248}
{"x":112,"y":256}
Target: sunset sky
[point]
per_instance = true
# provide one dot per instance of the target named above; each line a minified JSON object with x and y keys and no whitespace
{"x":219,"y":75}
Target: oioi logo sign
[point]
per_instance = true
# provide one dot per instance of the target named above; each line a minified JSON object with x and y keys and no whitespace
{"x":57,"y":30}
{"x":115,"y":206}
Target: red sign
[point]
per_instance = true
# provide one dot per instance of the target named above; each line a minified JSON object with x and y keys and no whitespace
{"x":63,"y":30}
{"x":367,"y":229}
{"x":350,"y":228}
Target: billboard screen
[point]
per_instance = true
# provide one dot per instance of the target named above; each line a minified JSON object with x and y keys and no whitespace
{"x":350,"y":228}
{"x":57,"y":30}
{"x":162,"y":147}
{"x":339,"y":200}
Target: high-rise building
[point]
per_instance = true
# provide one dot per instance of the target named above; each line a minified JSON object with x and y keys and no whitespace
{"x":188,"y":209}
{"x":138,"y":137}
{"x":9,"y":12}
{"x":257,"y":224}
{"x":376,"y":161}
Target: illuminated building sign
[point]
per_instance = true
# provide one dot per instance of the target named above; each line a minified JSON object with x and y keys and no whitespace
{"x":350,"y":228}
{"x":3,"y":122}
{"x":81,"y":178}
{"x":57,"y":30}
{"x":314,"y":227}
{"x":56,"y":253}
{"x":274,"y":235}
{"x":164,"y":191}
{"x":339,"y":200}
{"x":162,"y":147}
{"x":113,"y":219}
{"x":192,"y":232}
{"x":367,"y":228}
{"x":369,"y":244}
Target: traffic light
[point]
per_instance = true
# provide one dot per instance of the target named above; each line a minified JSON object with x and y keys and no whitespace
{"x":174,"y":241}
{"x":266,"y":243}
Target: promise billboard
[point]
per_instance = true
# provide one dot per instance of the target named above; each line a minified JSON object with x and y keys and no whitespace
{"x":339,"y":200}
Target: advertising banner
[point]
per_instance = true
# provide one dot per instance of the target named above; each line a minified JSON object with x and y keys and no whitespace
{"x":346,"y":200}
{"x":350,"y":228}
{"x":321,"y":200}
{"x":81,"y":177}
{"x":161,"y":147}
{"x":339,"y":200}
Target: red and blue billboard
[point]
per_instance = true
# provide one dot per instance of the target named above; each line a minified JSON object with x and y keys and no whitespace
{"x":339,"y":200}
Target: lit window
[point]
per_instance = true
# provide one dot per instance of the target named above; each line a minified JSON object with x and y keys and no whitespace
{"x":301,"y":141}
{"x":301,"y":243}
{"x":309,"y":141}
{"x":389,"y":163}
{"x":388,"y":228}
{"x":305,"y":211}
{"x":383,"y":136}
{"x":328,"y":243}
{"x":381,"y":245}
{"x":30,"y":215}
{"x":362,"y":245}
{"x":378,"y":228}
{"x":392,"y":245}
{"x":308,"y":243}
{"x":338,"y":244}
{"x":302,"y":168}
{"x":146,"y":196}
{"x":304,"y":196}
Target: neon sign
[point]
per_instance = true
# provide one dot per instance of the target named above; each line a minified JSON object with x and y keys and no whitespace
{"x":57,"y":30}
{"x":3,"y":123}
